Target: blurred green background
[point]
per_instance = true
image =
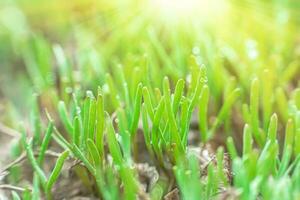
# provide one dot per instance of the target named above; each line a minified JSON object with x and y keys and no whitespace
{"x":54,"y":47}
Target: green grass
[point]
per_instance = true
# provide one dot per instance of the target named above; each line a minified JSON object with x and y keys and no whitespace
{"x":212,"y":104}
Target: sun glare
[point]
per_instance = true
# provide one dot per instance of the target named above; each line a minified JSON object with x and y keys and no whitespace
{"x":197,"y":9}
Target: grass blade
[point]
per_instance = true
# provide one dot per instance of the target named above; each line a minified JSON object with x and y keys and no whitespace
{"x":62,"y":110}
{"x":56,"y":171}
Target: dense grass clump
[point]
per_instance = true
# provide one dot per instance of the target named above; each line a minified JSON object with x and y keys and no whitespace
{"x":120,"y":101}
